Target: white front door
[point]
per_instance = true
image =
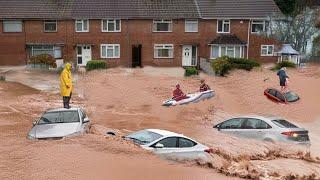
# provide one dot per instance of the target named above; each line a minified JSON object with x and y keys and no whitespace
{"x":83,"y":55}
{"x":186,"y":55}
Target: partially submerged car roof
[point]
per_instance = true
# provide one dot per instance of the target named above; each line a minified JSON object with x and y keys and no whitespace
{"x":63,"y":109}
{"x":164,"y":132}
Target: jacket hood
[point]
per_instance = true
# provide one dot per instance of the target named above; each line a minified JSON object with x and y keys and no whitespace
{"x":68,"y":67}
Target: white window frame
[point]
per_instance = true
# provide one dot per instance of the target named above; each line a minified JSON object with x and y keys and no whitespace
{"x":192,"y":21}
{"x":263,"y":22}
{"x":113,"y":46}
{"x":267,"y":47}
{"x":10,"y":21}
{"x":109,"y":20}
{"x":154,"y":29}
{"x":224,"y":21}
{"x":46,"y":21}
{"x":155,"y":54}
{"x":82,"y":22}
{"x":227,"y":47}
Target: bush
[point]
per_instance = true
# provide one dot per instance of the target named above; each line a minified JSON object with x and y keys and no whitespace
{"x":221,"y":66}
{"x":224,"y":64}
{"x":282,"y":64}
{"x":44,"y":59}
{"x":96,"y":64}
{"x":191,"y":71}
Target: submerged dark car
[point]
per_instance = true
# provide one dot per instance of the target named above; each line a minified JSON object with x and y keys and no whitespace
{"x":281,"y":97}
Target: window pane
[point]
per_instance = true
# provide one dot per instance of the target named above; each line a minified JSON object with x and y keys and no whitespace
{"x":215,"y":51}
{"x":79,"y":26}
{"x":226,"y":28}
{"x":12,"y":26}
{"x":270,"y":50}
{"x":232,"y":124}
{"x":116,"y":51}
{"x":69,"y":117}
{"x":170,"y":142}
{"x":223,"y":51}
{"x":104,"y":25}
{"x":85,"y":25}
{"x":79,"y":50}
{"x":57,"y":52}
{"x":117,"y":25}
{"x":162,"y":27}
{"x":257,"y":27}
{"x":238,"y":52}
{"x":103,"y":51}
{"x":110,"y":52}
{"x":220,"y":25}
{"x":191,"y":26}
{"x":111,"y":26}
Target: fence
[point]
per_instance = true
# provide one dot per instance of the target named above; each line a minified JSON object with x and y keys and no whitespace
{"x":206,"y":67}
{"x":314,"y":59}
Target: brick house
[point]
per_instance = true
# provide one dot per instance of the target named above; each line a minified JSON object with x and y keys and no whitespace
{"x":136,"y":32}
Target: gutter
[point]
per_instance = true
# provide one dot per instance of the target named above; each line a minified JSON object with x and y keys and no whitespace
{"x":248,"y":39}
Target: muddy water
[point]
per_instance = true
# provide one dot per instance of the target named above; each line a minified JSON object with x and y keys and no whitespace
{"x":126,"y":100}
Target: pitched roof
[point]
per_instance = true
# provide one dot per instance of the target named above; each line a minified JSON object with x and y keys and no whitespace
{"x":136,"y":9}
{"x":238,"y":8}
{"x":98,"y":9}
{"x":228,"y":39}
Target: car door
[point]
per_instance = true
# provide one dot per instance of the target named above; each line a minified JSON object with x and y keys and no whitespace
{"x":272,"y":95}
{"x":255,"y":128}
{"x":231,"y":126}
{"x":280,"y":97}
{"x":84,"y":121}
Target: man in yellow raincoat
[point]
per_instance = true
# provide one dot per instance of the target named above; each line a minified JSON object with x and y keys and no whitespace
{"x":66,"y":85}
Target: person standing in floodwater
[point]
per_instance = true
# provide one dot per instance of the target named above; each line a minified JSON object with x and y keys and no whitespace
{"x":204,"y":86}
{"x":283,"y":78}
{"x":66,"y":85}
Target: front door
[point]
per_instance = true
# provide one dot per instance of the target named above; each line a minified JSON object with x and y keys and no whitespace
{"x":83,"y":55}
{"x":136,"y":55}
{"x":189,"y":55}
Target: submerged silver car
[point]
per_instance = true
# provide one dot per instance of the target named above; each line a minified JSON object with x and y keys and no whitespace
{"x":264,"y":128}
{"x":58,"y":123}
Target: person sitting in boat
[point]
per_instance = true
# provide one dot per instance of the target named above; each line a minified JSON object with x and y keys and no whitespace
{"x":178,"y":94}
{"x":204,"y":86}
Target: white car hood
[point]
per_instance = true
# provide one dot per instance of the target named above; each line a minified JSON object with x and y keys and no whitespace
{"x":55,"y":130}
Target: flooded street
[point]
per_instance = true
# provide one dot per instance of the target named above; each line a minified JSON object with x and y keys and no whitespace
{"x":130,"y":99}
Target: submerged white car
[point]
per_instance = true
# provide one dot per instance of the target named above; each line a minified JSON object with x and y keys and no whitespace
{"x":59,"y":123}
{"x":264,"y":128}
{"x":169,"y":144}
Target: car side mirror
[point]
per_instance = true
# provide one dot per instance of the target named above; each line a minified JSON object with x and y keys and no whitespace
{"x":86,"y":120}
{"x":218,"y":127}
{"x":159,"y":146}
{"x":34,"y":123}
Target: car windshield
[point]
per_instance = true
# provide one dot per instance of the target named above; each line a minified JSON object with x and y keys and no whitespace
{"x":143,"y":136}
{"x":291,"y":96}
{"x":284,"y":124}
{"x":59,"y":117}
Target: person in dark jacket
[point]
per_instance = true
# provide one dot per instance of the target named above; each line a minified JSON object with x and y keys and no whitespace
{"x":282,"y":78}
{"x":204,"y":86}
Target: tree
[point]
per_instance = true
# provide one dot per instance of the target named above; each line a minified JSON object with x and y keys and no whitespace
{"x":316,"y":46}
{"x":296,"y":30}
{"x":287,"y":7}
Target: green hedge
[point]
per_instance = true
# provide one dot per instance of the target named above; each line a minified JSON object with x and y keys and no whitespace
{"x":224,"y":64}
{"x":191,"y":71}
{"x":282,"y":64}
{"x":96,"y":64}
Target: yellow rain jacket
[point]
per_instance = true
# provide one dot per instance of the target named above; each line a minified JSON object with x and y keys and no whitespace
{"x":66,"y":81}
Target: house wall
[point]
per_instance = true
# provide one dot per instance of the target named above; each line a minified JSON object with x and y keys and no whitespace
{"x":13,"y":51}
{"x":12,"y":47}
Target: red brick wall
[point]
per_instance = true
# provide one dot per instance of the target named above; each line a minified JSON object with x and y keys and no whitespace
{"x":12,"y":45}
{"x":12,"y":49}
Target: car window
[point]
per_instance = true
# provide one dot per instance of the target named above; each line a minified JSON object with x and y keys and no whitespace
{"x":81,"y":115}
{"x":272,"y":92}
{"x":144,"y":136}
{"x":49,"y":118}
{"x":170,"y":142}
{"x":232,"y":124}
{"x":291,"y":97}
{"x":69,"y":117}
{"x":251,"y":123}
{"x":183,"y":143}
{"x":280,"y":96}
{"x":283,"y":123}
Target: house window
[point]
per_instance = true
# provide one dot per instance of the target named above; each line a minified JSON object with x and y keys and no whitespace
{"x":223,"y":26}
{"x":162,"y":26}
{"x":82,"y":25}
{"x":163,"y":51}
{"x":231,"y":51}
{"x":191,"y":26}
{"x":50,"y":26}
{"x":267,"y":50}
{"x":54,"y":51}
{"x":111,"y":25}
{"x":12,"y":26}
{"x":258,"y":26}
{"x":110,"y":50}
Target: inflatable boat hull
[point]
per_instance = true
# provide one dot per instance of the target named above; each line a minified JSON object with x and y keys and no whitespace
{"x":192,"y":98}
